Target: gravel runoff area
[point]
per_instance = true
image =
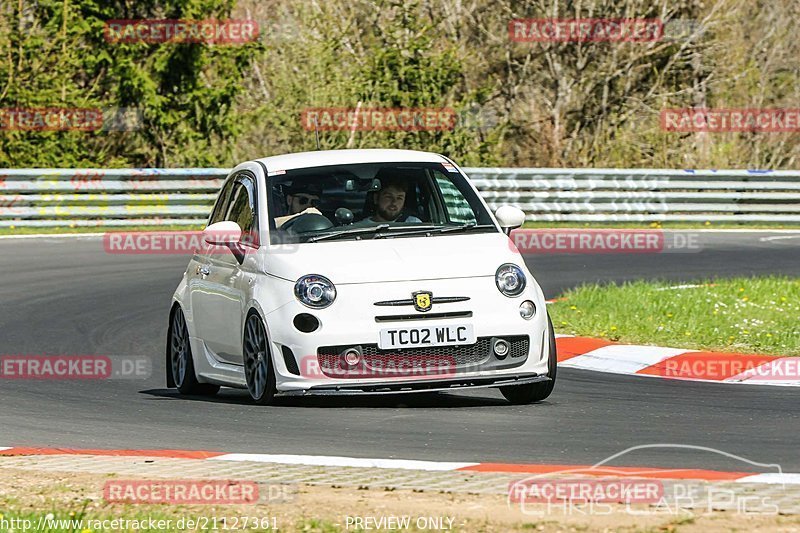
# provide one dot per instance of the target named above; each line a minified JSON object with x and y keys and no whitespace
{"x":324,"y":499}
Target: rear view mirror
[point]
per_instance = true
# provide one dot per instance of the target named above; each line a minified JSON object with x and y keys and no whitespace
{"x":351,"y":185}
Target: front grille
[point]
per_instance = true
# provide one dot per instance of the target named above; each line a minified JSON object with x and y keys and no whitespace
{"x":435,"y":360}
{"x":518,"y":348}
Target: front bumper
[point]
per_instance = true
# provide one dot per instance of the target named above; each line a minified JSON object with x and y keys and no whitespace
{"x":351,"y":389}
{"x":355,"y":320}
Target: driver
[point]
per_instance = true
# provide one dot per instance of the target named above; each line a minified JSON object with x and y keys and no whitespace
{"x":301,"y":199}
{"x":389,"y":202}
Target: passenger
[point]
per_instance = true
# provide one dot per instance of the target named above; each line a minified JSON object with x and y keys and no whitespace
{"x":389,"y":203}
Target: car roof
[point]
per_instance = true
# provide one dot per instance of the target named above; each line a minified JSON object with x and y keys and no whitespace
{"x":345,"y":157}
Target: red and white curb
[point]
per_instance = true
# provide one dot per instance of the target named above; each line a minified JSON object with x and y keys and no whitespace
{"x":428,"y":466}
{"x":677,"y":363}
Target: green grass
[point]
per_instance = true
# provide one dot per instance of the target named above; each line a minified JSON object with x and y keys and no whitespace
{"x":749,"y":315}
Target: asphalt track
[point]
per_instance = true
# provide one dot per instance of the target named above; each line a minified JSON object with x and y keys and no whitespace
{"x":67,"y":296}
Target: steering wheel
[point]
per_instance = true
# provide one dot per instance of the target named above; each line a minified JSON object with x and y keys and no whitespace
{"x":306,"y":223}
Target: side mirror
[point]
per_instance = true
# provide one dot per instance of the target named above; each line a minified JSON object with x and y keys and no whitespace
{"x":222,"y":233}
{"x":509,"y":217}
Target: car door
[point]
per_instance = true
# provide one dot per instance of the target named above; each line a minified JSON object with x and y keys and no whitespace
{"x":218,"y":293}
{"x":200,"y":315}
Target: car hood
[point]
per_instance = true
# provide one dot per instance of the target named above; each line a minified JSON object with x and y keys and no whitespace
{"x":395,"y":259}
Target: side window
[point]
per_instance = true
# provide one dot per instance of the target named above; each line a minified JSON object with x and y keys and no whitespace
{"x":456,"y":206}
{"x":242,"y":207}
{"x":218,"y":214}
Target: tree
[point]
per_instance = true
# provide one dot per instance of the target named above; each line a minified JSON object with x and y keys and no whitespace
{"x":57,"y":55}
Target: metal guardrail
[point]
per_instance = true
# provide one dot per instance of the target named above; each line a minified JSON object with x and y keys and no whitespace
{"x":108,"y":197}
{"x":153,"y":197}
{"x":643,"y":195}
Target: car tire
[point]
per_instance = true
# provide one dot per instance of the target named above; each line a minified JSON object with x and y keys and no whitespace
{"x":536,"y":392}
{"x":258,"y":371}
{"x":181,"y":363}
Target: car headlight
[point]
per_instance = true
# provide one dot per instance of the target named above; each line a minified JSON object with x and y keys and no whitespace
{"x":510,"y":280}
{"x":315,"y":291}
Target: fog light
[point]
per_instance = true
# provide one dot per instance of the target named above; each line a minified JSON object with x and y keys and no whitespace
{"x":500,"y":348}
{"x":527,"y":309}
{"x":352,"y":357}
{"x":306,"y":323}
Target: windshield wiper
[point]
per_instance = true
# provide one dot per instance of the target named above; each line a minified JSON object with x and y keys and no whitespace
{"x":437,"y":230}
{"x":347,"y":232}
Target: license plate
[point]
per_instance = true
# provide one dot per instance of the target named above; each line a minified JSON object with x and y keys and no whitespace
{"x":452,"y":335}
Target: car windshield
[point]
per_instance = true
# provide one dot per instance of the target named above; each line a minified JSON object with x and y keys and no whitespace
{"x":375,"y":200}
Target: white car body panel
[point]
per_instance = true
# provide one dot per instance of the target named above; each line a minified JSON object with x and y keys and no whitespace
{"x":347,"y":157}
{"x":364,"y":272}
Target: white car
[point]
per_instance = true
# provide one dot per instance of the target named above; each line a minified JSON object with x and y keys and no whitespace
{"x":358,"y":272}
